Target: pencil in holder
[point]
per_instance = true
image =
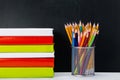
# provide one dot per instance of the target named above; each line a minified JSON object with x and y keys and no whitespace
{"x":83,"y":61}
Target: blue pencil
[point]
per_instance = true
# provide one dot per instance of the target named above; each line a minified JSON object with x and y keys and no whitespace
{"x":73,"y":64}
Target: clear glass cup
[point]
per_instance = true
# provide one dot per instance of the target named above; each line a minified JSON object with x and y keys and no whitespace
{"x":83,"y":61}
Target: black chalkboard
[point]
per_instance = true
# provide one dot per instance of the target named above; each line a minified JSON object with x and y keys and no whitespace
{"x":55,"y":13}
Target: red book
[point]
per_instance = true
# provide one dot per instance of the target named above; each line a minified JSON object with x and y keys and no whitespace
{"x":13,"y":40}
{"x":26,"y":62}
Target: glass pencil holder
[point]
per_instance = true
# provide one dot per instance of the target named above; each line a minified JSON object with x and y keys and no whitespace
{"x":83,"y":61}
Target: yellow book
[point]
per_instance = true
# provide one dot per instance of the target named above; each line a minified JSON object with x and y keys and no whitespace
{"x":26,"y":48}
{"x":27,"y":72}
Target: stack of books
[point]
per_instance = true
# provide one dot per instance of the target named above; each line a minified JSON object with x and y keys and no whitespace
{"x":26,"y":52}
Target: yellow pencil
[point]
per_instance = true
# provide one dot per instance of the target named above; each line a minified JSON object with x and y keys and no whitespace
{"x":90,"y":63}
{"x":67,"y":31}
{"x":97,"y":27}
{"x":91,"y":33}
{"x":70,"y":30}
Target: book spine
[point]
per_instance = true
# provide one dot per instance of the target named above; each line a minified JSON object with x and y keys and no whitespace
{"x":26,"y":72}
{"x":26,"y":48}
{"x":22,"y":40}
{"x":26,"y":62}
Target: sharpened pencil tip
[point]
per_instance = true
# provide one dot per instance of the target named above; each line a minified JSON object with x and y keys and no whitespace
{"x":93,"y":25}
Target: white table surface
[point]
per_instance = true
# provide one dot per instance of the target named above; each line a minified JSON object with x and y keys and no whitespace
{"x":68,"y":76}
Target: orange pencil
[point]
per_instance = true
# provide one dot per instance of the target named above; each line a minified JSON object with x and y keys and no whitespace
{"x":83,"y":38}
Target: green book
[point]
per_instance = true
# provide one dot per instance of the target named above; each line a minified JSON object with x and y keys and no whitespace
{"x":28,"y":72}
{"x":26,"y":48}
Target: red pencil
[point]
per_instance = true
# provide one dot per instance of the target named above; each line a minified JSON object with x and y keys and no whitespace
{"x":86,"y":40}
{"x":86,"y":44}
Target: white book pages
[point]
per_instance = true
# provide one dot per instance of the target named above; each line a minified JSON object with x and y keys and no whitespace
{"x":26,"y":55}
{"x":26,"y":31}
